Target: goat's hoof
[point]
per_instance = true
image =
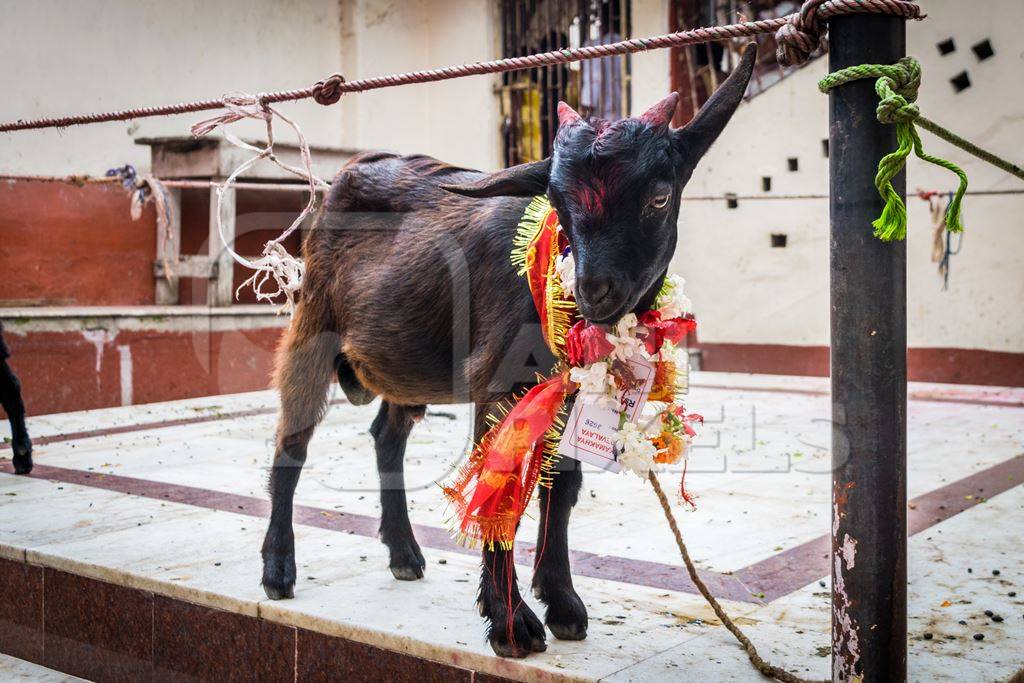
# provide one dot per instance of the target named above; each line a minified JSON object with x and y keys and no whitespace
{"x":407,"y":573}
{"x":567,"y":616}
{"x":22,"y":459}
{"x":22,"y":465}
{"x":279,"y":592}
{"x":279,"y":577}
{"x":568,"y":631}
{"x":407,"y":563}
{"x":527,"y":635}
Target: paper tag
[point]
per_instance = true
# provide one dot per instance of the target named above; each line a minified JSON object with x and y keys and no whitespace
{"x":591,"y":428}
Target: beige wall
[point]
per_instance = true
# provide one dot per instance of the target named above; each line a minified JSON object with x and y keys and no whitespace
{"x":746,"y":292}
{"x":457,"y":120}
{"x":650,"y":70}
{"x":110,"y":54}
{"x":70,"y":56}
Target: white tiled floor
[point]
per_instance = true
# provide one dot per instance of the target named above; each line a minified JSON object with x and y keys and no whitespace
{"x":761,"y":477}
{"x":19,"y":671}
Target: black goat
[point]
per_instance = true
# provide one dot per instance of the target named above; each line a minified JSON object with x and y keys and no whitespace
{"x":409,"y":295}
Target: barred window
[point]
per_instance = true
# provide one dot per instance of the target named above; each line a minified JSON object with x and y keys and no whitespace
{"x":698,"y":69}
{"x":597,"y":88}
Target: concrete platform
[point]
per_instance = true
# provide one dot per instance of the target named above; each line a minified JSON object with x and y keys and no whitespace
{"x":13,"y":670}
{"x":133,"y":548}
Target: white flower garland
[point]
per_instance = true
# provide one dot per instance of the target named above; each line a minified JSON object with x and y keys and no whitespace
{"x":636,"y":450}
{"x":672,"y":302}
{"x":565,"y":269}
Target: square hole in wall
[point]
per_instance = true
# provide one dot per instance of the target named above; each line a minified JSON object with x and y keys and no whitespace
{"x":983,"y":50}
{"x":793,"y":163}
{"x":824,"y":148}
{"x":766,"y":183}
{"x":731,"y":201}
{"x":946,"y":46}
{"x":961,"y":81}
{"x":779,"y":240}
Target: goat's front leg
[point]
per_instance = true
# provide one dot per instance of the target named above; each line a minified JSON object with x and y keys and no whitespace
{"x":10,"y":398}
{"x":552,"y":579}
{"x":512,"y":627}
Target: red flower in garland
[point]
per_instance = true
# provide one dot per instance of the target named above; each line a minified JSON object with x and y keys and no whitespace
{"x":660,"y":331}
{"x":586,"y":343}
{"x":689,"y":420}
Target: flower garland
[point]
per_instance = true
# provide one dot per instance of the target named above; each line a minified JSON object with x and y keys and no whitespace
{"x":599,"y":356}
{"x":492,"y":490}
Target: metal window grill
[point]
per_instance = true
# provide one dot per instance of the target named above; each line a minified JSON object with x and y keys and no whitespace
{"x":698,"y":69}
{"x":529,"y":98}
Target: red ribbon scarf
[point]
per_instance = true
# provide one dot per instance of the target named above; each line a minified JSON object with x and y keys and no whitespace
{"x":494,"y":487}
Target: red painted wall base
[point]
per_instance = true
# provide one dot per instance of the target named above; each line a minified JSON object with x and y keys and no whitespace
{"x":80,"y":370}
{"x":85,"y":368}
{"x":956,"y":366}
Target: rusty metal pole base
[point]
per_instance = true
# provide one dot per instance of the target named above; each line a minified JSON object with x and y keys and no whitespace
{"x":869,"y":372}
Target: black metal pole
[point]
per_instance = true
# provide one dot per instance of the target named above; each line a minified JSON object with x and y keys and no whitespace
{"x":869,"y":372}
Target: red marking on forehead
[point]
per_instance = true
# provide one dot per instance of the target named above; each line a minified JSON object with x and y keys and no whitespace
{"x":591,"y":197}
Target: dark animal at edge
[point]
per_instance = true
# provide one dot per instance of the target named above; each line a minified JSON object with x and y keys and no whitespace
{"x":10,"y":399}
{"x":409,"y":295}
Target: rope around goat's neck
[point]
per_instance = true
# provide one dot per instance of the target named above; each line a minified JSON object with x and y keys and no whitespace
{"x":762,"y":666}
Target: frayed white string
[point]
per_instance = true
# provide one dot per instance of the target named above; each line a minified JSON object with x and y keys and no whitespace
{"x":164,"y":214}
{"x":276,"y":266}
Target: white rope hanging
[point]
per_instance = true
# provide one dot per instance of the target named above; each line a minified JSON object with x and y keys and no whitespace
{"x":276,"y":266}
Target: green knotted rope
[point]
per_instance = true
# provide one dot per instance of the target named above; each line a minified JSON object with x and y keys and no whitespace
{"x":897,"y":87}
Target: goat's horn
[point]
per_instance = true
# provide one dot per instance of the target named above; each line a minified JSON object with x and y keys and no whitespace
{"x":567,"y":114}
{"x":661,"y":114}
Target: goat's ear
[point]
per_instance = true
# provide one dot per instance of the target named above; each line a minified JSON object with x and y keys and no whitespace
{"x":524,"y":180}
{"x":693,"y":140}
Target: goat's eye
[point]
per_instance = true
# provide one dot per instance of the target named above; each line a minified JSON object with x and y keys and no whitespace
{"x":659,"y":202}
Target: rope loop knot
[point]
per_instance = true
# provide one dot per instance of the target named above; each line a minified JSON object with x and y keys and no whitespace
{"x":804,"y":31}
{"x":328,"y":91}
{"x":897,"y":86}
{"x":801,"y":35}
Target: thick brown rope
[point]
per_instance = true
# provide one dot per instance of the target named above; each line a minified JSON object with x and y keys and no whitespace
{"x":764,"y":667}
{"x":798,"y":34}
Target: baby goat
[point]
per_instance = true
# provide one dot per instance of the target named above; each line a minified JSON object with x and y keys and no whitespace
{"x":409,"y":295}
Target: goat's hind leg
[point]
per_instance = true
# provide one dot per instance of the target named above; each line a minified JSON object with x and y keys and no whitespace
{"x":10,"y":398}
{"x":390,"y":430}
{"x":305,"y":368}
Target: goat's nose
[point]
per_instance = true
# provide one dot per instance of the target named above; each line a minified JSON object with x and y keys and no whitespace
{"x":595,"y":289}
